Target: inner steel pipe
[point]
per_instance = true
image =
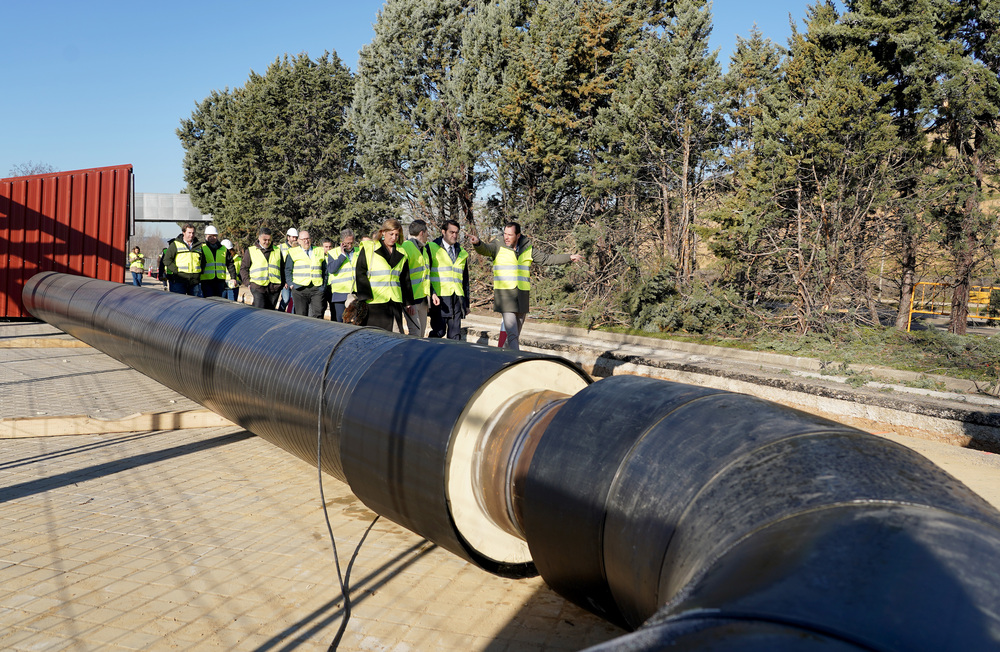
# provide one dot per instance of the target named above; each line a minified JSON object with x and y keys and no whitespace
{"x":706,"y":519}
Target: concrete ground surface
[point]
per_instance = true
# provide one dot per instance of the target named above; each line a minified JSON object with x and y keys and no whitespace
{"x":211,"y":538}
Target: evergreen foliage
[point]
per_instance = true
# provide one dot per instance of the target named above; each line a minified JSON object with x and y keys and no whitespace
{"x":277,"y":152}
{"x":787,"y":191}
{"x":409,"y":110}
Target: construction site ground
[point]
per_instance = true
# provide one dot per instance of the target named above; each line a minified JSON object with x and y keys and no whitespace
{"x":132,"y":518}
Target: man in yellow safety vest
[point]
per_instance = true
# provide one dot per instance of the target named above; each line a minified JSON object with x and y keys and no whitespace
{"x":418,"y":261}
{"x":219,"y":267}
{"x":183,"y":262}
{"x":511,"y":276}
{"x":340,"y":263}
{"x":305,"y":272}
{"x":291,"y":241}
{"x":449,"y":283}
{"x":263,"y":271}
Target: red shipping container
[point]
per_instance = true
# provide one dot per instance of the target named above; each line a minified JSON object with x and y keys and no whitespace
{"x":77,"y":222}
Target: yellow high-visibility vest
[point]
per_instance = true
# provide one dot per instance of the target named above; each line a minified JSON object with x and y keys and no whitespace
{"x":446,"y":276}
{"x":420,"y":273}
{"x":264,"y":270}
{"x":136,"y":262}
{"x":342,"y":282}
{"x":511,"y":271}
{"x":187,"y":260}
{"x":383,"y":278}
{"x":306,"y":269}
{"x":215,"y":263}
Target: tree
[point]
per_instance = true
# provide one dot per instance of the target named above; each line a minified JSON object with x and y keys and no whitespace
{"x":566,"y":64}
{"x":278,"y":152}
{"x":754,"y":91}
{"x":968,"y":100}
{"x":30,"y":168}
{"x":940,"y":62}
{"x":820,"y":172}
{"x":902,"y":37}
{"x":409,"y":109}
{"x":669,"y":122}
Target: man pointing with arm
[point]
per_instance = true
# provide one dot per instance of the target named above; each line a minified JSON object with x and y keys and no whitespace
{"x":511,"y":276}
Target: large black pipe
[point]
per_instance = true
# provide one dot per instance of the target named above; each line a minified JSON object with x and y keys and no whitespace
{"x":390,"y":405}
{"x":708,"y":520}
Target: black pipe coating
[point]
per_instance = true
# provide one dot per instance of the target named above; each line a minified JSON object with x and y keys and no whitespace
{"x":706,"y":519}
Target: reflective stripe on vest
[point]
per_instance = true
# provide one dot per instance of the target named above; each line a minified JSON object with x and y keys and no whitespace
{"x":187,"y":260}
{"x":384,"y":279}
{"x":420,"y":273}
{"x":215,"y":264}
{"x":446,"y":276}
{"x":343,"y":281}
{"x":306,"y":269}
{"x":510,"y":271}
{"x":264,"y":270}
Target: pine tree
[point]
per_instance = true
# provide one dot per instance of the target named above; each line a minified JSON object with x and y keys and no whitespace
{"x":754,"y":93}
{"x":818,"y":172}
{"x":277,"y":152}
{"x":968,"y":101}
{"x":409,"y":109}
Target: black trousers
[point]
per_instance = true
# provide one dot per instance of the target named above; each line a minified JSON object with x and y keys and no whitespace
{"x":213,"y":287}
{"x":384,"y":315}
{"x":446,"y":318}
{"x":308,"y":300}
{"x":264,"y":298}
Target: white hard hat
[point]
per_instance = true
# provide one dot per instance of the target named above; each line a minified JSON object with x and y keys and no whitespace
{"x":292,"y":232}
{"x":227,"y":244}
{"x":211,"y":230}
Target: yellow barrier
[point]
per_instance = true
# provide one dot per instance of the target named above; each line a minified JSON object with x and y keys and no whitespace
{"x":935,"y":299}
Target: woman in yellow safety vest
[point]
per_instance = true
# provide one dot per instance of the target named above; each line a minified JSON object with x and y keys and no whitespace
{"x":136,"y":265}
{"x":383,"y":277}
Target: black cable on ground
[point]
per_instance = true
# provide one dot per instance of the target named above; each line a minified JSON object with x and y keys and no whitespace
{"x":343,"y":579}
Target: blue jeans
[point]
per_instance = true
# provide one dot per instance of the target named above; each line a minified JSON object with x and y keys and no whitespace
{"x":513,"y":322}
{"x":286,"y":297}
{"x":180,"y":287}
{"x":137,"y":278}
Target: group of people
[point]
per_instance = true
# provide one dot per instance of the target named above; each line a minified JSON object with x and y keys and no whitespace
{"x":203,"y":269}
{"x":400,"y":280}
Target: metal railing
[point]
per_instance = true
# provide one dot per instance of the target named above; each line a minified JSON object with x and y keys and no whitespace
{"x":935,"y":299}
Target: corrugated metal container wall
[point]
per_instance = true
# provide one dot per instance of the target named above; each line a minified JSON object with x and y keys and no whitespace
{"x":75,"y":222}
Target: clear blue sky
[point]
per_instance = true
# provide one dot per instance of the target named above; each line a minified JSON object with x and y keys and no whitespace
{"x":104,"y":82}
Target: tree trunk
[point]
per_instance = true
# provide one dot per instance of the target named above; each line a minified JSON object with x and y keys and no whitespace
{"x":684,"y":253}
{"x":668,"y":239}
{"x":960,"y":301}
{"x":965,"y":261}
{"x":468,"y":195}
{"x":908,"y":279}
